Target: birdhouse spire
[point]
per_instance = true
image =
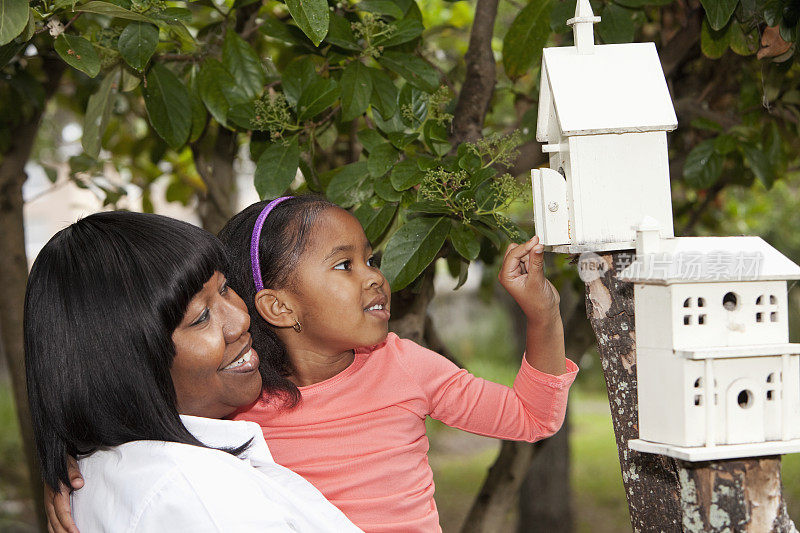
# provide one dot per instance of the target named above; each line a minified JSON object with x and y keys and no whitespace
{"x":582,"y":27}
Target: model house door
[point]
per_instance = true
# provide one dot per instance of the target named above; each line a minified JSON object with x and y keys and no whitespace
{"x":744,"y":405}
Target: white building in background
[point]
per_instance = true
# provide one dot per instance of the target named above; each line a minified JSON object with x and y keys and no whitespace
{"x":604,"y":111}
{"x":49,"y":209}
{"x":717,"y":376}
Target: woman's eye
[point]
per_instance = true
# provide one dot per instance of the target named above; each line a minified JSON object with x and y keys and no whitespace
{"x":344,"y":265}
{"x":224,"y":288}
{"x":202,"y":318}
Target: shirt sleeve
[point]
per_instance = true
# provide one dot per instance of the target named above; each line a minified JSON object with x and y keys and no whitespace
{"x":531,"y":410}
{"x":209,"y":502}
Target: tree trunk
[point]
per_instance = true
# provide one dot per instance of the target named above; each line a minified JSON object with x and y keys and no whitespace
{"x":213,"y":157}
{"x":545,"y":497}
{"x":14,"y":274}
{"x":665,"y":494}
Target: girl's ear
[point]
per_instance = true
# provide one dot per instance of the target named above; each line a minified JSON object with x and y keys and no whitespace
{"x":273,"y":307}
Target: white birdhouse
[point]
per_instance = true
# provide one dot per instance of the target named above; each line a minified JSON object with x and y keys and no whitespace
{"x":717,"y":376}
{"x":604,"y":111}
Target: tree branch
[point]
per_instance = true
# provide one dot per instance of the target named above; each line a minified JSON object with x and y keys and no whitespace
{"x":476,"y":93}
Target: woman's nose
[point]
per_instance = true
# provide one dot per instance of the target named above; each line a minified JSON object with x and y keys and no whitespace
{"x":237,"y":320}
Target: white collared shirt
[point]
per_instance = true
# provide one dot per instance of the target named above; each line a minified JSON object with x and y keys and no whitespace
{"x":151,"y":486}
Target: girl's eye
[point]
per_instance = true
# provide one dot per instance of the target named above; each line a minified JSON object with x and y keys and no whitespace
{"x":374,"y":262}
{"x":344,"y":265}
{"x":202,"y":318}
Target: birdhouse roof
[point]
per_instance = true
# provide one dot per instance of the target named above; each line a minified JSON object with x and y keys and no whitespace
{"x":619,"y":88}
{"x":711,"y":259}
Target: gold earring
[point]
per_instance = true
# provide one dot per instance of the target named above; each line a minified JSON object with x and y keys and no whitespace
{"x":297,"y":327}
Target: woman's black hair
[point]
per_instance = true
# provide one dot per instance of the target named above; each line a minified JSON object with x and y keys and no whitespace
{"x":103,"y":299}
{"x":282,"y":241}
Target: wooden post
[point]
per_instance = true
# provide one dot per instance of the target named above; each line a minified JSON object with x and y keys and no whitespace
{"x":665,"y":494}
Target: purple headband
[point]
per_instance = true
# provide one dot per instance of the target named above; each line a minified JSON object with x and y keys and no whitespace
{"x":255,"y":238}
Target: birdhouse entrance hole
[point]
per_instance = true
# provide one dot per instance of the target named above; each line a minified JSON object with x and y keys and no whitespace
{"x":745,"y":399}
{"x":730,"y":301}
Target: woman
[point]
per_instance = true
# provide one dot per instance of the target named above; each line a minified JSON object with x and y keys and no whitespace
{"x":134,"y":348}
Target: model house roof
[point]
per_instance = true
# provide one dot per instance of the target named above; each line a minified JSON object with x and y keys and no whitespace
{"x":618,"y":88}
{"x":710,"y":259}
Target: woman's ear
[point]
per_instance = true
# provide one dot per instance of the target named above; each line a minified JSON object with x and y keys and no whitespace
{"x":273,"y":307}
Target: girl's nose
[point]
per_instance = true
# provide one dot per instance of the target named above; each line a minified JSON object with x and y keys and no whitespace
{"x":237,"y":320}
{"x":374,"y":278}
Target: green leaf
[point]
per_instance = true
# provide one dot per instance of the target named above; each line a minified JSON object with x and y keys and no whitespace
{"x":167,"y":101}
{"x":111,"y":10}
{"x":219,"y":90}
{"x":725,"y":144}
{"x":404,"y":31}
{"x":384,"y":93}
{"x":281,"y":31}
{"x":311,"y":16}
{"x":78,"y":53}
{"x":350,"y":185}
{"x":744,"y":44}
{"x":14,"y":16}
{"x":341,"y":34}
{"x":243,"y":63}
{"x":199,"y":116}
{"x":431,"y":207}
{"x":381,"y":7}
{"x":137,"y":43}
{"x":384,"y":189}
{"x":98,"y":111}
{"x":707,"y":124}
{"x":718,"y":12}
{"x":436,"y":138}
{"x":177,"y":14}
{"x":465,"y":242}
{"x":375,"y":221}
{"x":714,"y":43}
{"x":381,"y":159}
{"x":370,"y":139}
{"x":30,"y":29}
{"x":527,"y":35}
{"x":276,"y":168}
{"x":703,"y":166}
{"x":406,"y":174}
{"x":616,"y":24}
{"x":416,"y":71}
{"x":356,"y":85}
{"x":561,"y":11}
{"x":412,"y":248}
{"x":637,"y":4}
{"x":413,"y":105}
{"x":317,"y":97}
{"x":9,"y":51}
{"x":297,"y":75}
{"x":400,"y":140}
{"x":760,"y":164}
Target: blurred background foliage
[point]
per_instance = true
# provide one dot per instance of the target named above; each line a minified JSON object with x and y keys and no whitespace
{"x":374,"y":103}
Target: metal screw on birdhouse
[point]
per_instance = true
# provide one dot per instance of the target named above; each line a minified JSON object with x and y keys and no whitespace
{"x":553,"y":206}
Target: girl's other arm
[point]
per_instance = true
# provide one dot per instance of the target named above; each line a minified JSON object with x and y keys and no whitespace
{"x":522,"y":275}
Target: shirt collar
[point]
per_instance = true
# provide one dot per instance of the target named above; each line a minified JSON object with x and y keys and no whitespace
{"x":230,"y":434}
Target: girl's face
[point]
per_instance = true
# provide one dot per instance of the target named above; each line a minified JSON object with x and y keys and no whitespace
{"x":339,"y":295}
{"x":215,"y":369}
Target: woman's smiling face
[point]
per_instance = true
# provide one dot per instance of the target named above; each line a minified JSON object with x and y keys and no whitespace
{"x":215,"y":369}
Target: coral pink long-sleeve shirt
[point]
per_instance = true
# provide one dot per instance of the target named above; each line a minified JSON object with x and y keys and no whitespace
{"x":359,"y":437}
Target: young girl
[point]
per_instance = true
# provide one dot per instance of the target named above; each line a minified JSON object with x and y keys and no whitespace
{"x":356,"y":399}
{"x":348,"y":412}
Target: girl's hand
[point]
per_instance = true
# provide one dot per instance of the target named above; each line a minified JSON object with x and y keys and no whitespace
{"x":522,"y":275}
{"x":56,"y":504}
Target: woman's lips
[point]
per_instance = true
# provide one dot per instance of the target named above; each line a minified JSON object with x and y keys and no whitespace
{"x":246,"y":363}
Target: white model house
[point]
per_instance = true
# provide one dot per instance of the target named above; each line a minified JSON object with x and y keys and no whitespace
{"x":604,"y":111}
{"x":717,"y":376}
